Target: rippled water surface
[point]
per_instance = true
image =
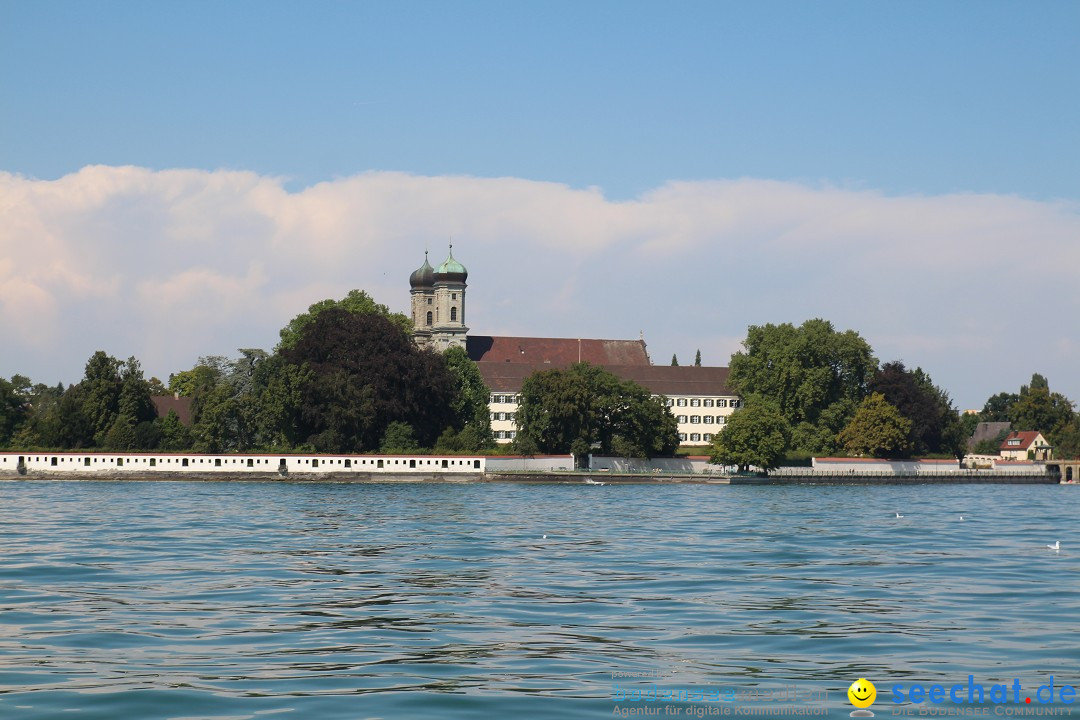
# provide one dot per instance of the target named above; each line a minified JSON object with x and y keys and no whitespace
{"x":238,"y":600}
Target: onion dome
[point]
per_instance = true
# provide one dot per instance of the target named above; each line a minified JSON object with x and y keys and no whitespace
{"x":451,"y":270}
{"x":424,"y":276}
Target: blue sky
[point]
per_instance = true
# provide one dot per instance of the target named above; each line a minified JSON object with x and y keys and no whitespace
{"x":747,"y":162}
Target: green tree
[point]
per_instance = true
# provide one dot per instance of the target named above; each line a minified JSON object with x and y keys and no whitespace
{"x":365,"y":374}
{"x":584,"y":406}
{"x":100,"y":394}
{"x":697,"y":358}
{"x":935,"y":423}
{"x":1036,"y":408}
{"x":470,"y":404}
{"x":12,"y":412}
{"x":174,"y":435}
{"x":756,"y":435}
{"x":997,"y":407}
{"x":1066,"y":442}
{"x":357,"y":302}
{"x":674,"y":360}
{"x":877,"y":430}
{"x":399,"y":439}
{"x":803,"y":371}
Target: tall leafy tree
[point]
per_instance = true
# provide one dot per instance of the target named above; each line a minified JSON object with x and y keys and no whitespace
{"x":756,"y":435}
{"x":1036,"y":408}
{"x":12,"y":411}
{"x":877,"y":430}
{"x":357,"y":302}
{"x":935,"y":424}
{"x":803,"y":371}
{"x":584,"y":406}
{"x":100,"y":393}
{"x":470,"y":404}
{"x":365,"y":374}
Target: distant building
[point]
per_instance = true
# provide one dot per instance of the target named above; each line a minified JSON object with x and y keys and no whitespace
{"x":1018,"y":446}
{"x":163,"y":404}
{"x":698,"y":397}
{"x":987,"y":431}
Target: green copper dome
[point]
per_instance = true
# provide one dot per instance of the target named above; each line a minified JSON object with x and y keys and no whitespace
{"x":451,"y":270}
{"x":424,"y":276}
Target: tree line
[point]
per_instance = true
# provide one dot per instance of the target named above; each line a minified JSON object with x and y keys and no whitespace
{"x":345,"y":378}
{"x":813,"y":390}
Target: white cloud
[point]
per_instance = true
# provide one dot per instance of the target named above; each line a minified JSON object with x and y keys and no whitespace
{"x":977,"y":289}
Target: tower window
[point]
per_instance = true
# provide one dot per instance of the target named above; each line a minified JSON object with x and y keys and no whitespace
{"x":453,"y":314}
{"x":453,"y":296}
{"x":429,"y":301}
{"x":429,"y":317}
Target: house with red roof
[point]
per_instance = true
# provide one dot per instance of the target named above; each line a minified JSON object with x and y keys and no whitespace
{"x":1025,"y":445}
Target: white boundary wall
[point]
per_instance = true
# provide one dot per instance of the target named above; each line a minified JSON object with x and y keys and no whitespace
{"x":254,"y":464}
{"x":855,"y":466}
{"x":535,"y":463}
{"x":696,"y":464}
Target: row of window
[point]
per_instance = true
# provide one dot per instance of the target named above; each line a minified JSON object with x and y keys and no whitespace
{"x":505,"y":434}
{"x":248,"y":462}
{"x":695,"y":437}
{"x":502,"y":416}
{"x":698,"y":402}
{"x":504,"y":399}
{"x":698,"y":419}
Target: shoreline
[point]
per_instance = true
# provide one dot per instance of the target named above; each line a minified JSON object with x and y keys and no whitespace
{"x":566,"y":478}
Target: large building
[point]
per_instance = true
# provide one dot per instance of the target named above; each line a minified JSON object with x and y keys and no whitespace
{"x":697,"y":396}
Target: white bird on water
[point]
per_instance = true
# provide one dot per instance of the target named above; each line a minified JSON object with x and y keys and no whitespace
{"x":1055,"y":546}
{"x":899,"y":515}
{"x":961,"y":517}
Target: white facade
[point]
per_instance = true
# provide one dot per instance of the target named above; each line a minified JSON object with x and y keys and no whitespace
{"x":700,"y":417}
{"x":503,"y":408}
{"x":74,"y":464}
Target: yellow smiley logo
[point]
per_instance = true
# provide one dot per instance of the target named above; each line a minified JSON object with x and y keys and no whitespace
{"x":862,"y":693}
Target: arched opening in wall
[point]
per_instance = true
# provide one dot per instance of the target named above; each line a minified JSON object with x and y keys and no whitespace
{"x":453,"y":314}
{"x":86,"y":462}
{"x":282,"y":466}
{"x":348,"y":463}
{"x":429,"y":317}
{"x":445,"y":464}
{"x":217,"y":462}
{"x":380,"y":463}
{"x":119,"y":462}
{"x":476,"y":464}
{"x":184,"y":462}
{"x":251,"y":462}
{"x":153,"y":462}
{"x":315,"y":462}
{"x":412,"y":464}
{"x":1068,"y":474}
{"x":54,"y":461}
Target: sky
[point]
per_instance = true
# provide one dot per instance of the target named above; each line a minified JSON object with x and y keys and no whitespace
{"x":181,"y":179}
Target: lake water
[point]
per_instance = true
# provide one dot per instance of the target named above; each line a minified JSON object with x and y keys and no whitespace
{"x":243,"y":600}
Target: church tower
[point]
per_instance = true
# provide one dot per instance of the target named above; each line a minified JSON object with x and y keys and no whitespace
{"x":422,"y":282}
{"x":438,"y":304}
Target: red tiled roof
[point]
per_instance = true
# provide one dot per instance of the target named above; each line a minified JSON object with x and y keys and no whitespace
{"x":1026,"y":438}
{"x":180,"y":405}
{"x":556,"y":351}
